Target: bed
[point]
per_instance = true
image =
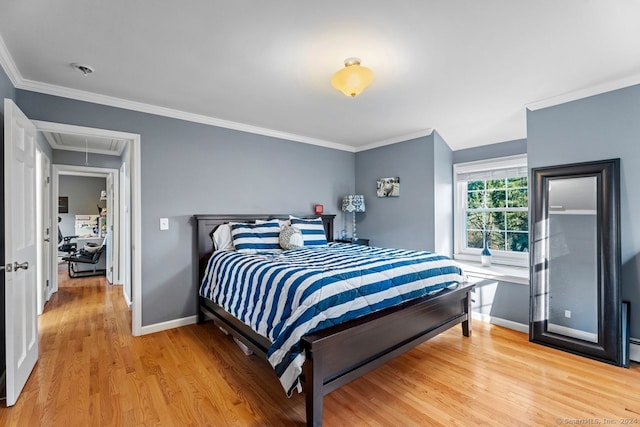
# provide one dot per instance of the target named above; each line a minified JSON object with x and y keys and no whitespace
{"x":335,"y":355}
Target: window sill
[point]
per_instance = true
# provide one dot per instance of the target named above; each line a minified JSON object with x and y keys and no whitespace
{"x":506,"y":273}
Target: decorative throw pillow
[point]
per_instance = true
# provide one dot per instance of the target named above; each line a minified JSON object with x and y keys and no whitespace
{"x":291,"y":237}
{"x":91,"y":248}
{"x":312,"y":230}
{"x":222,"y":238}
{"x":252,"y":238}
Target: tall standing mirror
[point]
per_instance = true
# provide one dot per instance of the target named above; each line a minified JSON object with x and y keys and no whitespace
{"x":575,"y":261}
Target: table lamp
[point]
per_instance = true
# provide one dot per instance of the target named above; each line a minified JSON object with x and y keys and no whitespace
{"x":353,"y":203}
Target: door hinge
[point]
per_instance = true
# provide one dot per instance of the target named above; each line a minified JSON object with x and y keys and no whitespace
{"x":47,"y":285}
{"x":46,"y":231}
{"x":47,"y":180}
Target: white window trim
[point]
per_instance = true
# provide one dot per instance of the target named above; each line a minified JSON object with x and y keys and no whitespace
{"x":460,"y":198}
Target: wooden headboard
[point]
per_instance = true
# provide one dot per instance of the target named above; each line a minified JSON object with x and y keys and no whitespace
{"x":206,"y":225}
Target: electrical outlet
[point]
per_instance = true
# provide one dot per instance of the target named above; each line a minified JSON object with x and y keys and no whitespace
{"x":567,"y":314}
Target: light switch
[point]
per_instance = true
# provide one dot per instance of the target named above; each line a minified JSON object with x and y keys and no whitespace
{"x":164,"y":223}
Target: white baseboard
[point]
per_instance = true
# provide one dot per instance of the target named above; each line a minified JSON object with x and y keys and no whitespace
{"x":570,"y":332}
{"x":634,"y":349}
{"x":127,"y":299}
{"x":501,"y":322}
{"x":170,"y":324}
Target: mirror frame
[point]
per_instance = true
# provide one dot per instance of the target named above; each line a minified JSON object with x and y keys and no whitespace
{"x":609,"y":347}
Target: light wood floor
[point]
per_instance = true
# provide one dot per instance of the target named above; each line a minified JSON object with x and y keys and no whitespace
{"x":92,"y":372}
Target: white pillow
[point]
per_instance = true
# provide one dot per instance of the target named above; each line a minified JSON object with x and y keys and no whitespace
{"x":291,"y":238}
{"x":222,"y":238}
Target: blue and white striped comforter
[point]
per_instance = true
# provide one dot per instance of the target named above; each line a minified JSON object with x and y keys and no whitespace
{"x":287,"y":295}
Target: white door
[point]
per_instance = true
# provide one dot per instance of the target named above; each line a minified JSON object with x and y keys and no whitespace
{"x":48,"y":228}
{"x":43,"y":194}
{"x":110,"y":237}
{"x":122,"y":228}
{"x":20,"y":248}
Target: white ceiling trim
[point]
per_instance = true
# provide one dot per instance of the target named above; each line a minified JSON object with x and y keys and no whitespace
{"x":112,"y":101}
{"x":394,"y":140}
{"x":45,"y":126}
{"x":584,"y":93}
{"x":9,"y":66}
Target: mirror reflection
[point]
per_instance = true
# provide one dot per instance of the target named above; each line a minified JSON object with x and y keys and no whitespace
{"x":573,"y":257}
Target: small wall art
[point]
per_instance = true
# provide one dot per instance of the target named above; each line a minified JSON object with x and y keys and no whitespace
{"x":388,"y":187}
{"x":63,"y":204}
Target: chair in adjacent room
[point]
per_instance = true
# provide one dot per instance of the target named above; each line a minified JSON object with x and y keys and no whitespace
{"x":64,"y":243}
{"x":87,"y":255}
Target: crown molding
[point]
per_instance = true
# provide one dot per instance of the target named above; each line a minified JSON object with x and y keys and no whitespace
{"x":394,"y":140}
{"x":112,"y":101}
{"x":584,"y":93}
{"x":10,"y":68}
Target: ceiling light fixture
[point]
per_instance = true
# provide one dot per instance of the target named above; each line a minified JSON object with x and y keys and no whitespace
{"x":353,"y":78}
{"x":85,"y":69}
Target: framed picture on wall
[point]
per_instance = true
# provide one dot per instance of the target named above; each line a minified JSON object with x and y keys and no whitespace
{"x":63,"y":204}
{"x":388,"y":187}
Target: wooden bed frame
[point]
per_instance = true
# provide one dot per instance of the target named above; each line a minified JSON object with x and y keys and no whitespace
{"x":342,"y":353}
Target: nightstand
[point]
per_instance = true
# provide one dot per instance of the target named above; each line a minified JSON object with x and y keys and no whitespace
{"x":364,"y":242}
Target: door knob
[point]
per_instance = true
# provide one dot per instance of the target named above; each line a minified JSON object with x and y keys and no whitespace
{"x":24,"y":265}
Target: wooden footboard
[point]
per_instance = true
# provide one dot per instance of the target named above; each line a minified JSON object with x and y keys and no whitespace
{"x":343,"y":353}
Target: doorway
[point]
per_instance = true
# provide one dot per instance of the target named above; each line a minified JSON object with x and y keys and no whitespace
{"x":127,"y":273}
{"x":91,"y":213}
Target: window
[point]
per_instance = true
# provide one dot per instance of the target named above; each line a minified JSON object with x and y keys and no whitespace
{"x":492,"y":206}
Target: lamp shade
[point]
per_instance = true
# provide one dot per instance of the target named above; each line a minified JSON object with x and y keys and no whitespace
{"x":353,"y":78}
{"x":353,"y":203}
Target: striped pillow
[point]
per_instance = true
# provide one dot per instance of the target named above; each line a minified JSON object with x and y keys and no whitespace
{"x":252,"y":238}
{"x":312,"y":230}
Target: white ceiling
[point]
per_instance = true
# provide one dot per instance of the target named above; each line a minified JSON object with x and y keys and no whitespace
{"x":465,"y":68}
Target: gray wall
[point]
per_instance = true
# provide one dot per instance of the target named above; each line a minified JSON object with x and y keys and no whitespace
{"x":189,"y":168}
{"x":425,"y":203}
{"x":84,"y":197}
{"x":443,"y":196}
{"x":504,"y":300}
{"x":596,"y":128}
{"x":501,"y":149}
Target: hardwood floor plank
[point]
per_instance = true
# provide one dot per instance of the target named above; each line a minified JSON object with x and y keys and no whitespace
{"x":91,"y":371}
